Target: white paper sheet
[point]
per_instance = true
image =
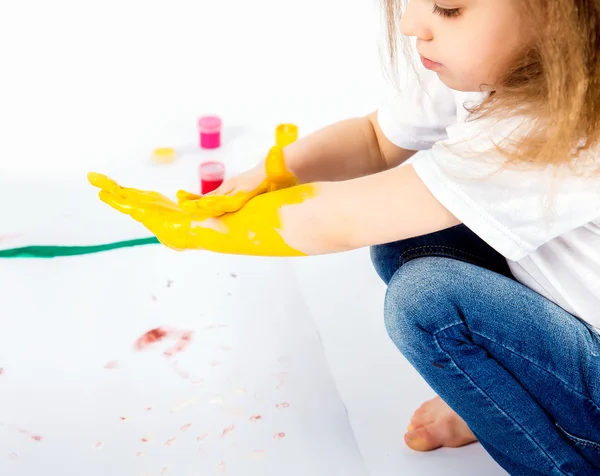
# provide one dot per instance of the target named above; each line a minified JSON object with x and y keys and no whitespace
{"x":72,"y":377}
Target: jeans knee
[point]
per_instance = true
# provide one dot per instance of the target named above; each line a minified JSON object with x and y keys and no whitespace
{"x":416,"y":294}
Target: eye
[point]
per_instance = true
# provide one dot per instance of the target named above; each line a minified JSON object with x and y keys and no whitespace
{"x":446,"y":12}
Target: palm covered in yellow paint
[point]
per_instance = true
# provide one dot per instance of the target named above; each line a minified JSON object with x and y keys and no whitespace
{"x":187,"y":224}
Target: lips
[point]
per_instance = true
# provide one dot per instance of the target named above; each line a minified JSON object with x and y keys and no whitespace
{"x":429,"y":64}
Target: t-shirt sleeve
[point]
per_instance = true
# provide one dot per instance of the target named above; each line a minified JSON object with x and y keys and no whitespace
{"x":417,"y":117}
{"x":514,"y":209}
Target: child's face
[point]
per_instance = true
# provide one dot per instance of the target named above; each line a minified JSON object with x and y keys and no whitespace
{"x":471,"y":41}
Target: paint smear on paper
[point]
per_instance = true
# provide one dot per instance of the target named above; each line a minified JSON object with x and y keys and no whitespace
{"x":255,"y":418}
{"x":170,"y":442}
{"x":185,"y":427}
{"x":112,"y":365}
{"x":201,"y":437}
{"x":278,"y":436}
{"x":227,"y":430}
{"x":281,"y":406}
{"x":29,"y":434}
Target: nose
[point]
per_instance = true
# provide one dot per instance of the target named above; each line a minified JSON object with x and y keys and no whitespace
{"x":414,"y":21}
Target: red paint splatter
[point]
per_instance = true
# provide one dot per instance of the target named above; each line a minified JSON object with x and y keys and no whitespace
{"x":113,"y":364}
{"x":255,"y":418}
{"x":159,"y":334}
{"x":151,"y":337}
{"x":280,"y":406}
{"x":13,"y":456}
{"x":123,"y":418}
{"x":147,"y":439}
{"x":185,"y":427}
{"x":201,"y":437}
{"x":31,"y":435}
{"x":148,"y":409}
{"x":170,"y":441}
{"x":278,"y":436}
{"x":184,"y":340}
{"x":227,"y":430}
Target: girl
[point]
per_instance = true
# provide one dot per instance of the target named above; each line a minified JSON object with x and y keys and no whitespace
{"x":489,"y":239}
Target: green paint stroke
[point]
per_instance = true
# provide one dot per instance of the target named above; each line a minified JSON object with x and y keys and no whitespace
{"x":58,"y":251}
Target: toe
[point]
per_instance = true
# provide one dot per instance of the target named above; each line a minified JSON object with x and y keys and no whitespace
{"x":420,"y":439}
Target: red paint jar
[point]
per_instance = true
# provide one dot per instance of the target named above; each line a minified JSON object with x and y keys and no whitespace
{"x":209,"y":128}
{"x":211,"y":175}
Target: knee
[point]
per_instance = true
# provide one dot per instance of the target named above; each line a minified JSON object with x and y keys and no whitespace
{"x":419,"y":298}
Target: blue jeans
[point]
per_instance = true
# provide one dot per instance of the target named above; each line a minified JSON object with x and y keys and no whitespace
{"x":523,"y":373}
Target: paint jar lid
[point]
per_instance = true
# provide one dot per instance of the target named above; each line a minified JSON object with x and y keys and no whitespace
{"x":212,"y":170}
{"x":210,"y":123}
{"x":164,"y":154}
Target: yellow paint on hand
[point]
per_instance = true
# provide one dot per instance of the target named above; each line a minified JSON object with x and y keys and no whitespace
{"x":253,"y":229}
{"x":285,"y":134}
{"x":277,"y":177}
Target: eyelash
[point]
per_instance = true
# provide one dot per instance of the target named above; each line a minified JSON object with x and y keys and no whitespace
{"x":445,"y":12}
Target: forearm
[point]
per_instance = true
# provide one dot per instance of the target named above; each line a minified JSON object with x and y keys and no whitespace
{"x":341,"y":151}
{"x":327,"y":217}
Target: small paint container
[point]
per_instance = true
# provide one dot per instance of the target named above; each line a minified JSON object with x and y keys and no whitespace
{"x":285,"y":134}
{"x":212,"y":174}
{"x":164,"y":155}
{"x":209,"y":128}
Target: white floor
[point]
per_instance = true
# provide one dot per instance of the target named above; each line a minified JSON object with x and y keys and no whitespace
{"x":307,"y":332}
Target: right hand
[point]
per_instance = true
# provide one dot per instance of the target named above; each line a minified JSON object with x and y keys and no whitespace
{"x":235,"y":192}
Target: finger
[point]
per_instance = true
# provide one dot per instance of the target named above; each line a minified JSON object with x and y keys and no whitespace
{"x":217,"y":205}
{"x":102,"y":181}
{"x":276,"y":170}
{"x":183,"y":196}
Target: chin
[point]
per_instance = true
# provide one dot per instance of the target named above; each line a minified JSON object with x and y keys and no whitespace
{"x":458,"y":85}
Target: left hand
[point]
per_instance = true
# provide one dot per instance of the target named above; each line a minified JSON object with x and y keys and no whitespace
{"x":163,"y":217}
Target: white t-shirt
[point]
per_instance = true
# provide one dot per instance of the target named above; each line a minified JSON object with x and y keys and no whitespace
{"x":545,"y":222}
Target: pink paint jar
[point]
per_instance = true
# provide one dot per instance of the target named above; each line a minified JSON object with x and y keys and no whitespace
{"x":212,"y":174}
{"x":209,"y":128}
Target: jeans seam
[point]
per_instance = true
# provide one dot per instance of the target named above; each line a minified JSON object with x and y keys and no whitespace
{"x":401,"y":258}
{"x":576,"y":391}
{"x":435,"y":335}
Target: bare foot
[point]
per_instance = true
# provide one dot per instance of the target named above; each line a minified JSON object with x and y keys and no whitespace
{"x":434,"y":425}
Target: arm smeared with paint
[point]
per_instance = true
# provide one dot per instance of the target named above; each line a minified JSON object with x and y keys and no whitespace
{"x":309,"y":219}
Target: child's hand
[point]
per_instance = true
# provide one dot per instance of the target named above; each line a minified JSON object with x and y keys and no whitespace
{"x":234,"y":193}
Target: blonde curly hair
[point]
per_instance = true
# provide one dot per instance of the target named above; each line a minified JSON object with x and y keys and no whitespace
{"x":554,"y":81}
